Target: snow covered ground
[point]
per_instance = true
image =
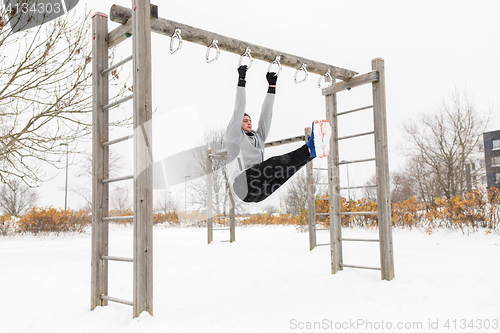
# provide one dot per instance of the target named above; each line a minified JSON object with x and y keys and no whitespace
{"x":267,"y":281}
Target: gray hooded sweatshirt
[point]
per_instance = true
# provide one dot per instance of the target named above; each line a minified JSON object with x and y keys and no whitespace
{"x":245,"y":151}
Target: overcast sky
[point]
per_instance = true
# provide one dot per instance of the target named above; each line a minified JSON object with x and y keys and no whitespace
{"x":431,"y":49}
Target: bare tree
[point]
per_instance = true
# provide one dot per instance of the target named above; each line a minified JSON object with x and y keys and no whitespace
{"x":295,"y":196}
{"x":16,"y":198}
{"x":444,"y":143}
{"x":166,"y":203}
{"x":45,"y":93}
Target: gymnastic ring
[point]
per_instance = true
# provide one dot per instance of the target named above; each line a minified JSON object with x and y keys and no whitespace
{"x":328,"y":79}
{"x":176,"y":35}
{"x":277,"y":62}
{"x":213,"y":46}
{"x":301,"y":69}
{"x":246,"y":54}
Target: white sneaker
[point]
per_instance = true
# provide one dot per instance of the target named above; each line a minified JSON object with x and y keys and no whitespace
{"x":322,"y":134}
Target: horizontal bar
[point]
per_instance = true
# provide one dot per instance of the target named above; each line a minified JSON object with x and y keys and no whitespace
{"x":322,"y":244}
{"x":112,"y":142}
{"x":322,"y":229}
{"x":117,"y":258}
{"x":118,"y":218}
{"x":218,"y":157}
{"x":166,"y":27}
{"x":226,"y":241}
{"x":118,"y":64}
{"x":359,"y":213}
{"x":354,"y":110}
{"x":117,"y":179}
{"x":356,"y":161}
{"x":318,"y":199}
{"x":216,"y":229}
{"x":117,"y":300}
{"x":356,"y":187}
{"x":362,"y":267}
{"x":322,"y":169}
{"x":322,"y":214}
{"x":353,"y":82}
{"x":124,"y":99}
{"x":359,"y":240}
{"x":355,"y":135}
{"x":277,"y":143}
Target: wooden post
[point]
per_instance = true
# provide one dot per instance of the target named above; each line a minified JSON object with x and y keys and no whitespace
{"x":334,"y":185}
{"x":232,"y":216}
{"x":143,"y":159}
{"x":210,"y":225}
{"x":100,"y":160}
{"x":311,"y":202}
{"x":382,"y":165}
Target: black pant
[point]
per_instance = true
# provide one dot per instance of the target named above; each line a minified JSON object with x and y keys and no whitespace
{"x":260,"y":181}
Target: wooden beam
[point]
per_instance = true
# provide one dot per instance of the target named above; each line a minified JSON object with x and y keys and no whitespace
{"x":210,"y":188}
{"x":100,"y":160}
{"x":382,"y":166}
{"x":166,"y":27}
{"x":311,"y":202}
{"x":354,"y":82}
{"x":143,"y":159}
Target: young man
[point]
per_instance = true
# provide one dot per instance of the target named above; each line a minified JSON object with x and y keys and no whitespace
{"x":252,"y":178}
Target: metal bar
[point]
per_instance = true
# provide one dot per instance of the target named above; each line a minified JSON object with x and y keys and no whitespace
{"x":112,"y":142}
{"x":112,"y":180}
{"x":110,"y":105}
{"x":118,"y":218}
{"x":165,"y":27}
{"x":118,"y":64}
{"x":117,"y":300}
{"x":323,"y":229}
{"x":217,"y":229}
{"x":355,"y":135}
{"x":358,"y":213}
{"x":357,"y":187}
{"x":357,"y":161}
{"x":353,"y":82}
{"x":321,"y":169}
{"x":359,"y":240}
{"x":355,"y":110}
{"x":362,"y":267}
{"x":323,"y":244}
{"x":277,"y":143}
{"x":117,"y":258}
{"x":322,"y":214}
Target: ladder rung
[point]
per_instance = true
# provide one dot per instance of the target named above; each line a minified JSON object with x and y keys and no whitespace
{"x":359,"y":240}
{"x":117,"y":300}
{"x":355,"y":135}
{"x":354,"y":110}
{"x":112,"y":142}
{"x":111,"y":180}
{"x":317,"y":199}
{"x":362,"y":267}
{"x":118,"y":64}
{"x":117,"y":258}
{"x":118,"y":218}
{"x":124,"y":99}
{"x":322,"y":229}
{"x":355,"y":187}
{"x":322,"y":169}
{"x":221,"y":217}
{"x":356,"y":161}
{"x":359,"y":213}
{"x":225,"y":241}
{"x":322,"y":214}
{"x":323,"y":244}
{"x":216,"y":229}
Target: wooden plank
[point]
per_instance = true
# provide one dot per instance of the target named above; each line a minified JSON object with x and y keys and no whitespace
{"x":311,"y":203}
{"x":334,"y":184}
{"x":100,"y":161}
{"x":143,"y":159}
{"x":354,"y":82}
{"x":166,"y":27}
{"x":382,"y":167}
{"x":119,"y":34}
{"x":210,"y":208}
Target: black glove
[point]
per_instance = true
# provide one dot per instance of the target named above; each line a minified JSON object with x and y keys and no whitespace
{"x":242,"y":72}
{"x":271,"y":79}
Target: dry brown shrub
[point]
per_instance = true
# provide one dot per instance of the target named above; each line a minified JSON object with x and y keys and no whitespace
{"x":51,"y":220}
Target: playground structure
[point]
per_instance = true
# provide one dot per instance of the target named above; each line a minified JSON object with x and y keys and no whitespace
{"x":138,"y":23}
